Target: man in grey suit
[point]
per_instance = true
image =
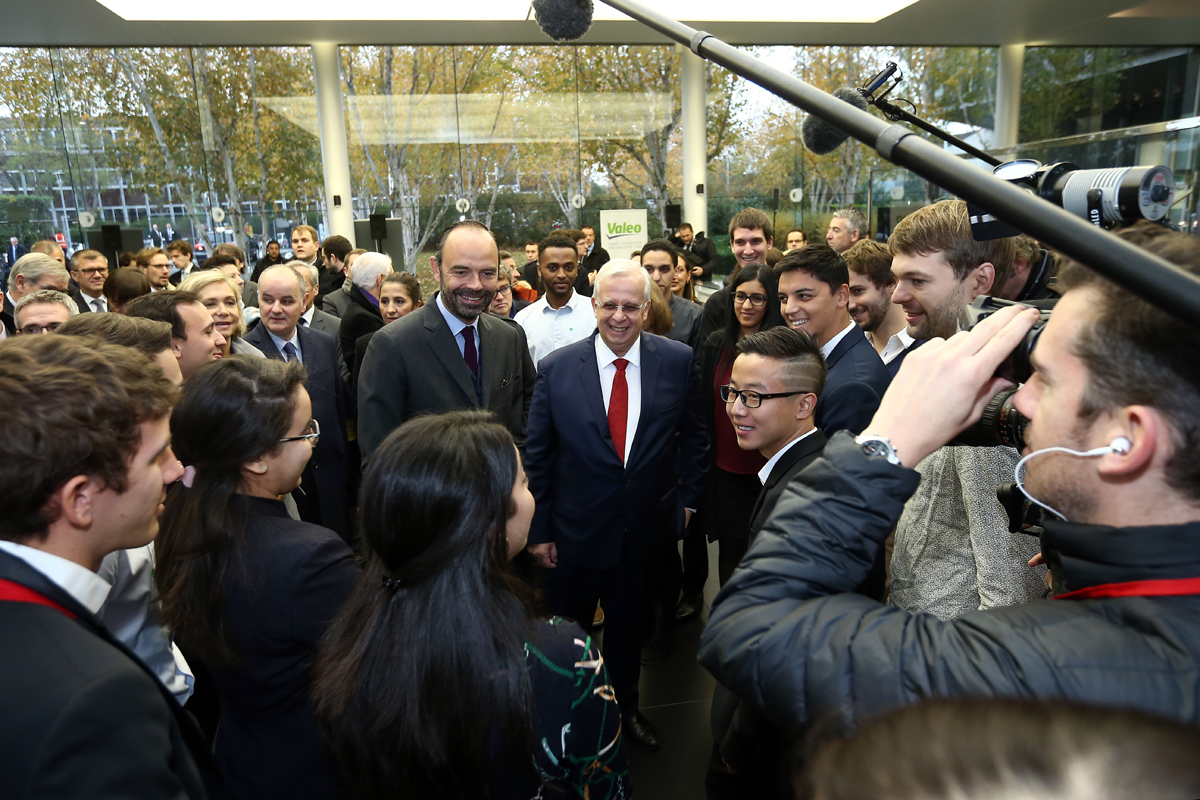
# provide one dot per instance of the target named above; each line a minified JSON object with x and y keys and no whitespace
{"x":449,"y":354}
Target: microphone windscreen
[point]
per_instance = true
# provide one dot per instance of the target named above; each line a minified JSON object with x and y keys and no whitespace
{"x":563,"y":20}
{"x":820,"y":137}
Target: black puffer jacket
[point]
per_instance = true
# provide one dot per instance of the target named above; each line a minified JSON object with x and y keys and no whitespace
{"x":786,"y":634}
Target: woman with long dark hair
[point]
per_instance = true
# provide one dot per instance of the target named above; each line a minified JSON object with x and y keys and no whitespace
{"x":245,"y":587}
{"x":437,"y":682}
{"x":732,"y":480}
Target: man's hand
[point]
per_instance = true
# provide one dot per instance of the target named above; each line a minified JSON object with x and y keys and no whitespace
{"x":592,"y":278}
{"x":944,"y":386}
{"x":545,"y":554}
{"x":697,"y":271}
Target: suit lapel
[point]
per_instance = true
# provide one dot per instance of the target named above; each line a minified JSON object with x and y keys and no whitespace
{"x":799,"y":451}
{"x":589,"y":376}
{"x":263,"y":341}
{"x":651,"y":362}
{"x":445,"y":349}
{"x":845,"y":346}
{"x":489,"y":358}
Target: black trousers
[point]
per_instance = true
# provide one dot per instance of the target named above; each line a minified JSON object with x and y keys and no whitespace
{"x":573,"y":591}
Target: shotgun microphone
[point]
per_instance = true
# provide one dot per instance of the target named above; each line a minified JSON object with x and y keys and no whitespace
{"x":820,"y":137}
{"x":563,"y":20}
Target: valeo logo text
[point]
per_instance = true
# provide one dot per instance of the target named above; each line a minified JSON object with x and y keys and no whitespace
{"x":623,"y":228}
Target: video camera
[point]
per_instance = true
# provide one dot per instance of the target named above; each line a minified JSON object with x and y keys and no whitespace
{"x":1104,"y":197}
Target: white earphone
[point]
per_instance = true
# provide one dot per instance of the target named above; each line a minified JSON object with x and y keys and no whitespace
{"x":1120,"y":445}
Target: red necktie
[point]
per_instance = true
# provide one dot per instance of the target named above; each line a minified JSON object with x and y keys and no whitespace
{"x":618,"y":408}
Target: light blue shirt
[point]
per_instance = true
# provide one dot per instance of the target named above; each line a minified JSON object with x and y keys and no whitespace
{"x":295,"y":340}
{"x":457,"y":326}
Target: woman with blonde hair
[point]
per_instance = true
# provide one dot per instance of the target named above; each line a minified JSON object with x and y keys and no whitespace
{"x":220,"y":296}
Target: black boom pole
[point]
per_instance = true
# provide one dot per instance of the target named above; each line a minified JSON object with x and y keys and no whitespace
{"x":1154,"y":279}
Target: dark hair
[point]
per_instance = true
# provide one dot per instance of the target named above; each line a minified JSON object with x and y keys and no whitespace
{"x":575,"y":235}
{"x":181,"y":246}
{"x":873,"y":259}
{"x":799,"y":231}
{"x":233,"y":411}
{"x":1137,"y":354}
{"x":467,"y":224}
{"x":587,"y":228}
{"x":126,"y":259}
{"x":555,"y":240}
{"x":771,"y":317}
{"x":414,"y":681}
{"x":230,"y":249}
{"x":819,"y":260}
{"x":661,"y":246}
{"x":149,"y":337}
{"x":337,"y":246}
{"x":1007,"y":749}
{"x":218,"y":260}
{"x":125,"y":284}
{"x":72,"y":406}
{"x":751,"y":219}
{"x":687,"y":225}
{"x":774,"y":256}
{"x":164,"y":307}
{"x":408,"y":281}
{"x":803,"y":365}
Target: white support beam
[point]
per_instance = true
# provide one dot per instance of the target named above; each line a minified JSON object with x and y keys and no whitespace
{"x":695,"y":139}
{"x":1008,"y":94}
{"x":335,"y":157}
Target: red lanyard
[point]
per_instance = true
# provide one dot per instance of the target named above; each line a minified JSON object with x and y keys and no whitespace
{"x":16,"y":593}
{"x":1169,"y":587}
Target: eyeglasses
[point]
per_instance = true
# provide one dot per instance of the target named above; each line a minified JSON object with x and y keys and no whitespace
{"x":34,"y":330}
{"x":312,"y":433}
{"x":611,"y":308}
{"x":504,"y":290}
{"x":751,"y":399}
{"x":756,"y":300}
{"x":93,"y":270}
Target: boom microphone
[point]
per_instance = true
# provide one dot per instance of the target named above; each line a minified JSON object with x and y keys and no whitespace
{"x":563,"y":20}
{"x":820,"y":137}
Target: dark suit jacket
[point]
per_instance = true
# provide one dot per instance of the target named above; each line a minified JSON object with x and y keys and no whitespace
{"x":413,"y":366}
{"x":590,"y":263}
{"x":854,"y":384}
{"x":799,"y":456}
{"x":893,"y":366}
{"x":687,"y":317}
{"x":81,"y":300}
{"x":10,"y":257}
{"x":589,"y":504}
{"x":6,"y":319}
{"x":319,"y":352}
{"x":296,"y":578}
{"x":83,"y":716}
{"x":335,"y":303}
{"x":361,"y":317}
{"x":328,"y":323}
{"x":703,"y":254}
{"x":713,"y":318}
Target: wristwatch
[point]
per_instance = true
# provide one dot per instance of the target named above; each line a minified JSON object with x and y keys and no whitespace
{"x":879,"y":446}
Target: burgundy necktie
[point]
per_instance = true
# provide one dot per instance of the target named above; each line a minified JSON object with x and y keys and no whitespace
{"x":618,"y":408}
{"x":469,"y":352}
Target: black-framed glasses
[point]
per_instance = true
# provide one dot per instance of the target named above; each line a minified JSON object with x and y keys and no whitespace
{"x":504,"y":290}
{"x":34,"y":330}
{"x":89,"y":271}
{"x":752,"y":399}
{"x":756,"y":300}
{"x":312,"y":434}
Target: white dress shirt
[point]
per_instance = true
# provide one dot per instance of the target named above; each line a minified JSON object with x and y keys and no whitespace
{"x":896,"y":345}
{"x":633,"y":379}
{"x":80,"y":582}
{"x":547,"y":329}
{"x":92,"y":302}
{"x":306,"y":317}
{"x":827,"y":348}
{"x":765,"y":472}
{"x":295,"y":340}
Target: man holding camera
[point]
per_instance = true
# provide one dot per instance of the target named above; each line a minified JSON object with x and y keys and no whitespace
{"x":953,"y":551}
{"x":1114,"y":404}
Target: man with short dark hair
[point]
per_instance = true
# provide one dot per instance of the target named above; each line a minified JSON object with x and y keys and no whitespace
{"x":1112,"y":446}
{"x":195,"y":340}
{"x":847,"y":227}
{"x":85,"y":459}
{"x":751,"y":235}
{"x":592,"y":258}
{"x":529,"y":270}
{"x":282,"y":296}
{"x":180,"y":253}
{"x":700,"y":251}
{"x":449,"y":354}
{"x":334,"y":274}
{"x":871,"y":285}
{"x":561,"y":316}
{"x":659,"y":259}
{"x":89,"y":268}
{"x":270,"y":259}
{"x":814,"y":293}
{"x":953,"y":551}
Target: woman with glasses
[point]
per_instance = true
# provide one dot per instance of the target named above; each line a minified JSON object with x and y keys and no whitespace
{"x":438,"y":682}
{"x":732,"y":480}
{"x":248,"y":590}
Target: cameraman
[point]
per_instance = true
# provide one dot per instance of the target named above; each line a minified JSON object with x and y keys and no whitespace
{"x":1116,"y":381}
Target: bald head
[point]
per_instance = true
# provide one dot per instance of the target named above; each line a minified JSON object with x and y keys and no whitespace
{"x":282,"y":296}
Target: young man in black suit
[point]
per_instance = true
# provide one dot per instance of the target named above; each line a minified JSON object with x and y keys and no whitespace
{"x":449,"y":354}
{"x":814,"y":292}
{"x":282,"y":297}
{"x":85,"y":459}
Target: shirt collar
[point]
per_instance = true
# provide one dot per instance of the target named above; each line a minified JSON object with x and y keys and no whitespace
{"x":827,"y":348}
{"x":573,"y":303}
{"x":765,"y":472}
{"x":456,"y":324}
{"x":279,"y":343}
{"x":80,"y":582}
{"x":604,"y":356}
{"x":308,"y":315}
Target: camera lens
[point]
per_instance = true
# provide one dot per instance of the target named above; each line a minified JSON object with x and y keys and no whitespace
{"x":1000,"y":426}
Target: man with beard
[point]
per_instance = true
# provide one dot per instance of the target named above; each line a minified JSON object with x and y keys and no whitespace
{"x":871,"y":306}
{"x":561,"y":316}
{"x":448,"y":354}
{"x":953,"y":552}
